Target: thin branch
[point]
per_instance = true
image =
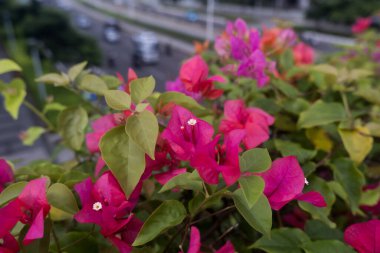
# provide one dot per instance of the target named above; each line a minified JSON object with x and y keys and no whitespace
{"x":38,"y":114}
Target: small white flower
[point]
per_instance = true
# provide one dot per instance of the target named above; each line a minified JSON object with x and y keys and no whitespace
{"x":192,"y":122}
{"x":97,"y":206}
{"x":306,"y":182}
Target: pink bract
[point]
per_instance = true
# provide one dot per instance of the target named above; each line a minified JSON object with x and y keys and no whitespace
{"x":252,"y":122}
{"x":303,"y":54}
{"x":364,"y":237}
{"x":284,"y":182}
{"x":361,"y":25}
{"x":6,"y":174}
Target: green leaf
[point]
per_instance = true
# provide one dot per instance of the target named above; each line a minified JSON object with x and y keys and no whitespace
{"x":351,"y":179}
{"x":72,"y":123}
{"x":142,"y":128}
{"x":141,"y":107}
{"x":288,"y":148}
{"x":75,"y":70}
{"x":124,"y":158}
{"x":177,"y":98}
{"x":282,"y":240}
{"x":330,"y":72}
{"x":253,"y":188}
{"x":374,"y":128}
{"x":370,"y":197}
{"x":184,"y":181}
{"x":7,"y":65}
{"x":93,"y":84}
{"x":327,"y":246}
{"x":318,"y":230}
{"x":255,"y":160}
{"x":318,"y":213}
{"x":11,"y":192}
{"x":286,"y":88}
{"x":31,"y":135}
{"x":357,"y":142}
{"x":170,"y":213}
{"x":321,"y":113}
{"x":54,"y":107}
{"x":61,"y":197}
{"x":259,"y":216}
{"x":78,"y":242}
{"x":369,"y":94}
{"x":111,"y":81}
{"x":14,"y":94}
{"x":142,"y":88}
{"x":117,"y":99}
{"x":320,"y":139}
{"x":55,"y":79}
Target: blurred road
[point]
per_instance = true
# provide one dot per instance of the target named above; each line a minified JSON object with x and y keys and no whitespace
{"x":121,"y":52}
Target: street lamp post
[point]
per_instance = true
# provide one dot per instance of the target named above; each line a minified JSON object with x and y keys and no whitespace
{"x":210,"y":20}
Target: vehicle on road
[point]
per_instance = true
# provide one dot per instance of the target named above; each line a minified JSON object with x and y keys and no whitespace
{"x":112,"y":31}
{"x":146,"y":49}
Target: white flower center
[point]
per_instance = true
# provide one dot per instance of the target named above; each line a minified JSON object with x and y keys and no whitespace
{"x":182,"y":127}
{"x":97,"y":206}
{"x":306,"y":182}
{"x":192,"y":122}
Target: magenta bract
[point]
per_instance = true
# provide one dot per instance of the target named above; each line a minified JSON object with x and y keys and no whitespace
{"x":364,"y":237}
{"x":6,"y":174}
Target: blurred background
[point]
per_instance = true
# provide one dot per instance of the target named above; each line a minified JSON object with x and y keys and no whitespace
{"x":151,"y":36}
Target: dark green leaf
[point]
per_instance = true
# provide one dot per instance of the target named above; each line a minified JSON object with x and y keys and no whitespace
{"x":255,"y":160}
{"x":61,"y":197}
{"x":11,"y":192}
{"x":327,"y":246}
{"x":170,"y":213}
{"x":321,"y":113}
{"x":184,"y":181}
{"x":318,"y":230}
{"x":288,"y":148}
{"x":253,"y":188}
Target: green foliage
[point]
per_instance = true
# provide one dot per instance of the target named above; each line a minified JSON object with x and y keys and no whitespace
{"x":14,"y":94}
{"x":255,"y":160}
{"x":72,"y":123}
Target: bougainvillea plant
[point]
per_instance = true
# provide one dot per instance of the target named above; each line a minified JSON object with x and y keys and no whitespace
{"x":255,"y":147}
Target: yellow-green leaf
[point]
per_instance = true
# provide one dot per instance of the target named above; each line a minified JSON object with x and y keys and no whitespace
{"x":72,"y":123}
{"x":142,"y":88}
{"x":55,"y":79}
{"x":117,"y":99}
{"x":321,"y":113}
{"x":31,"y":135}
{"x":93,"y":84}
{"x":320,"y":139}
{"x":357,"y":142}
{"x":7,"y":65}
{"x":14,"y":94}
{"x":75,"y":70}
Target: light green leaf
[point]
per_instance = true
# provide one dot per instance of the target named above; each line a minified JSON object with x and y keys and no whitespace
{"x":327,"y":246}
{"x":11,"y":192}
{"x":93,"y":84}
{"x":142,"y":128}
{"x":72,"y":123}
{"x":75,"y":70}
{"x":142,"y":88}
{"x":111,"y":81}
{"x":183,"y":181}
{"x":282,"y":240}
{"x":14,"y":94}
{"x":288,"y":148}
{"x":117,"y":99}
{"x":374,"y":128}
{"x":351,"y":179}
{"x":31,"y":135}
{"x":357,"y":142}
{"x":7,"y":65}
{"x":255,"y":160}
{"x":61,"y":197}
{"x":170,"y":213}
{"x":124,"y":158}
{"x":54,"y":107}
{"x":321,"y":113}
{"x":55,"y":79}
{"x":177,"y":98}
{"x":253,"y":188}
{"x":320,"y":139}
{"x":286,"y":88}
{"x":141,"y":107}
{"x":259,"y":216}
{"x":370,"y":197}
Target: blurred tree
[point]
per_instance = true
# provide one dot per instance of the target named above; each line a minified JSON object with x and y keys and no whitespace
{"x":342,"y":11}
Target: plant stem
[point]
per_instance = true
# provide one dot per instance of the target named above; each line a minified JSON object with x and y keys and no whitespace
{"x":347,"y":108}
{"x":212,"y":214}
{"x":55,"y":237}
{"x":39,"y":114}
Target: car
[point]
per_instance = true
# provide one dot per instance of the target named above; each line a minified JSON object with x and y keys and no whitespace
{"x":146,"y":49}
{"x":83,"y":21}
{"x":112,"y":31}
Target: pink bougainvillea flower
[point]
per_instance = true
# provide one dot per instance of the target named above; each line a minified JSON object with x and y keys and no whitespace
{"x":212,"y":160}
{"x":361,"y":25}
{"x":287,"y":38}
{"x":99,"y":126}
{"x":179,"y":86}
{"x":6,"y":174}
{"x":284,"y":182}
{"x":303,"y":54}
{"x":194,"y":74}
{"x":195,"y":243}
{"x":9,"y":245}
{"x":253,"y":122}
{"x":124,"y":238}
{"x":125,"y":84}
{"x":254,"y":67}
{"x":185,"y":133}
{"x":364,"y":237}
{"x":30,"y":207}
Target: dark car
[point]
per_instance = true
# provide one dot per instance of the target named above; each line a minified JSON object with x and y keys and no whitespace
{"x":112,"y":31}
{"x":146,"y":49}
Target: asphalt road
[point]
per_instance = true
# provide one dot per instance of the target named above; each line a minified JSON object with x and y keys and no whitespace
{"x":121,"y":52}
